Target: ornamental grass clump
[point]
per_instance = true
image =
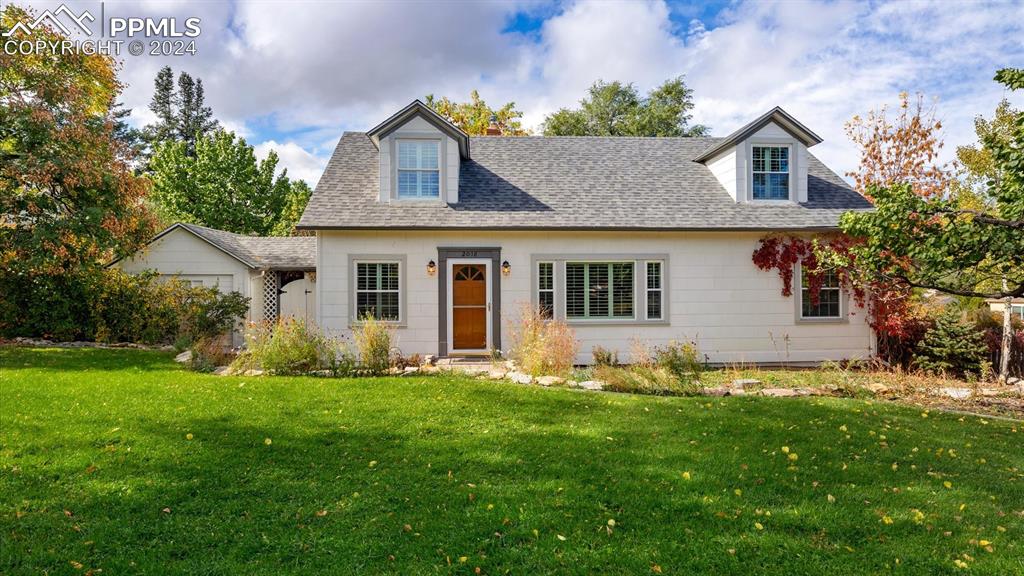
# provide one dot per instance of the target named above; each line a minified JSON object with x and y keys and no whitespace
{"x":373,"y":341}
{"x":671,"y":370}
{"x":288,"y":346}
{"x":542,"y":346}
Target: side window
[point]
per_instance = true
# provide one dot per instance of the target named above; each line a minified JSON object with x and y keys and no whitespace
{"x":655,"y":292}
{"x":828,"y":305}
{"x":546,"y":289}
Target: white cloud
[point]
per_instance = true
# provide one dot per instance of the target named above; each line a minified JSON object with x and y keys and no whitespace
{"x":301,"y":72}
{"x":301,"y":165}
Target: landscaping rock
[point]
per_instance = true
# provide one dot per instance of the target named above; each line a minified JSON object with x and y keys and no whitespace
{"x":429,"y":369}
{"x":410,"y":370}
{"x":222,"y":371}
{"x":742,"y":383}
{"x":253,"y":372}
{"x":717,"y":391}
{"x":185,"y":357}
{"x":786,"y":392}
{"x":520,"y":378}
{"x":1020,"y":388}
{"x":592,"y":385}
{"x":876,"y":388}
{"x":550,"y":380}
{"x":956,"y":393}
{"x":1012,"y":380}
{"x":991,"y":391}
{"x":497,"y":373}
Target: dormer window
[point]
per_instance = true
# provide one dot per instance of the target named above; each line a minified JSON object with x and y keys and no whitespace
{"x":419,"y":174}
{"x":770,"y":172}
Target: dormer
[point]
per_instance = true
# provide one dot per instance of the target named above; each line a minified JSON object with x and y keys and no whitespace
{"x":420,"y":155}
{"x":764,"y":161}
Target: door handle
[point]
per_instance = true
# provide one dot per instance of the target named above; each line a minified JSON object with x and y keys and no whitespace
{"x":488,"y":306}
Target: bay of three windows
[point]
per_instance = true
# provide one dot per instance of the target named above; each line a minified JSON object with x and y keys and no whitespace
{"x":603,"y":290}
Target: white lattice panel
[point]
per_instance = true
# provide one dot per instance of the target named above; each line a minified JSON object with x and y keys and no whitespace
{"x":270,"y":296}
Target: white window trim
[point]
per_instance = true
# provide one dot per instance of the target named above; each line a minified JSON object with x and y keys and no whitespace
{"x":441,"y":168}
{"x":660,"y":289}
{"x":537,"y":289}
{"x":639,"y":287}
{"x":798,"y":292}
{"x":790,"y":188}
{"x":354,"y":261}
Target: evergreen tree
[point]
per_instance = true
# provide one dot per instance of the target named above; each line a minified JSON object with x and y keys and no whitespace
{"x":952,"y":347}
{"x":181,"y":113}
{"x":162,"y":105}
{"x":131,"y":138}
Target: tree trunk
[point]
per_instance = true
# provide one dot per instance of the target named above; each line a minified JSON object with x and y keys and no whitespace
{"x":1004,"y":349}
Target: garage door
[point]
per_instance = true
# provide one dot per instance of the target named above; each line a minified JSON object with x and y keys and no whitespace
{"x":223,"y":282}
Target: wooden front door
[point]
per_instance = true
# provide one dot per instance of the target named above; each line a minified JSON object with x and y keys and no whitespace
{"x":469,"y":307}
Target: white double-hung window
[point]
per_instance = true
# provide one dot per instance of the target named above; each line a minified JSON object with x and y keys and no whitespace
{"x":377,"y":293}
{"x":419,"y":173}
{"x":770,"y":172}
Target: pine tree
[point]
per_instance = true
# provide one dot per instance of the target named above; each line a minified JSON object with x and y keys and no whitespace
{"x":952,"y":347}
{"x":162,"y":105}
{"x":204,"y":120}
{"x":181,"y":113}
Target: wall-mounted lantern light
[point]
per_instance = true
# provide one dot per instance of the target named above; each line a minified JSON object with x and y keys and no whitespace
{"x":506,"y":268}
{"x":431,"y":268}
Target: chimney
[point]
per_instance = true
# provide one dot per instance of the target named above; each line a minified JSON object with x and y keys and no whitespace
{"x":493,"y":129}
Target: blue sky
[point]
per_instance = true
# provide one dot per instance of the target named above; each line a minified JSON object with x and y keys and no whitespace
{"x":291,"y":76}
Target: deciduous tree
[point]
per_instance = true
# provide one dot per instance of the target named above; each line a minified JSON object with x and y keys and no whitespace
{"x":221,"y":185}
{"x":930,"y":238}
{"x":900,"y":150}
{"x":475,"y":116}
{"x":617,"y":109}
{"x":68,"y":197}
{"x":67,"y":193}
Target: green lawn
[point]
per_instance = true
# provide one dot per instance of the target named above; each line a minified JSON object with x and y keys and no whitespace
{"x":121,"y":461}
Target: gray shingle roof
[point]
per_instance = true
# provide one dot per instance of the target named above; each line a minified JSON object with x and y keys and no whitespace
{"x":278,"y":253}
{"x":571,"y":183}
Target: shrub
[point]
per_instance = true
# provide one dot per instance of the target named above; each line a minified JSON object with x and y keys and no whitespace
{"x":682,"y":360}
{"x":109,"y":305}
{"x":373,"y":340}
{"x":952,"y":347}
{"x":604,"y":357}
{"x":541,"y":346}
{"x":288,"y":346}
{"x":211,"y":352}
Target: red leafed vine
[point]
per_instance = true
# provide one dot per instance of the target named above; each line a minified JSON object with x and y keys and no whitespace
{"x":888,"y":305}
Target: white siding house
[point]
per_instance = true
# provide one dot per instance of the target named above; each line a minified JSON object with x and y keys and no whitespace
{"x":447,"y":237}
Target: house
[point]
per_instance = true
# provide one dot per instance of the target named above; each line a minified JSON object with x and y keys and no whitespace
{"x":447,"y":237}
{"x":277,"y":274}
{"x":1016,"y":307}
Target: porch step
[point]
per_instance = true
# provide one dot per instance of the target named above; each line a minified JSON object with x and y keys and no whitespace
{"x":473,"y":365}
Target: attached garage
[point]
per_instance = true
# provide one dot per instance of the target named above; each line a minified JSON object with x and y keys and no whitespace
{"x":278,"y":274}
